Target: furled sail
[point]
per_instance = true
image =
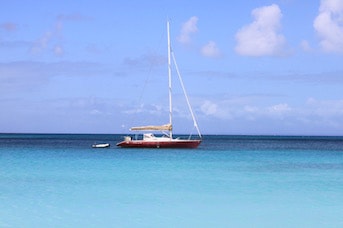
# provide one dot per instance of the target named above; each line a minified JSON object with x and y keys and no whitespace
{"x":166,"y":127}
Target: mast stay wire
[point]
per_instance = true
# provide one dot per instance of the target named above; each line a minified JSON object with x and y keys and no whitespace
{"x":185,"y":93}
{"x":148,"y":77}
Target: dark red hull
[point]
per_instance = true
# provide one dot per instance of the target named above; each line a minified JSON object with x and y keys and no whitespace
{"x":160,"y":144}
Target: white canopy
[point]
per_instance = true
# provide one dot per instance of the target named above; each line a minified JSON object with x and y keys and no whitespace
{"x":166,"y":127}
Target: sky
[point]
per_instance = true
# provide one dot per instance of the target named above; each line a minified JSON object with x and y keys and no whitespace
{"x":263,"y":67}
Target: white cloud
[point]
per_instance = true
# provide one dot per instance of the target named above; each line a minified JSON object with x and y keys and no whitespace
{"x":279,"y":109}
{"x":188,"y":28}
{"x":329,"y":25}
{"x":261,"y":37}
{"x":305,"y":46}
{"x":58,"y":50}
{"x":312,"y":113}
{"x":51,"y":40}
{"x":46,"y":41}
{"x":209,"y":108}
{"x":95,"y":112}
{"x":210,"y":50}
{"x":325,"y":108}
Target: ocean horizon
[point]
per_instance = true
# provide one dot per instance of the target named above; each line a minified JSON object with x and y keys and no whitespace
{"x":58,"y":180}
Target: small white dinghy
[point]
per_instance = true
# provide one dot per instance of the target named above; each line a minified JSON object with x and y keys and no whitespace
{"x":101,"y":145}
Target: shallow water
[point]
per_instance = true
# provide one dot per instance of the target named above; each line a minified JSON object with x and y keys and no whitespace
{"x":229,"y":181}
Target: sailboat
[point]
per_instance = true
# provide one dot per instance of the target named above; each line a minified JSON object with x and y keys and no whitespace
{"x":148,"y":139}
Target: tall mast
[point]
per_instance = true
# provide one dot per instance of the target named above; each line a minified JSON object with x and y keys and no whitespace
{"x":170,"y":83}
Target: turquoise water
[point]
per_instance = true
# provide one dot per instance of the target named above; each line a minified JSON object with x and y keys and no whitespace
{"x":229,"y":181}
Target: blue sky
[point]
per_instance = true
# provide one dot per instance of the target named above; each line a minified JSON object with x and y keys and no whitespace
{"x":251,"y":67}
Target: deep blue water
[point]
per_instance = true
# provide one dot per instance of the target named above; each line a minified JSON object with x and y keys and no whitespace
{"x":229,"y":181}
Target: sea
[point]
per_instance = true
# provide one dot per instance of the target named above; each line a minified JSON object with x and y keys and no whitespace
{"x":59,"y":180}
